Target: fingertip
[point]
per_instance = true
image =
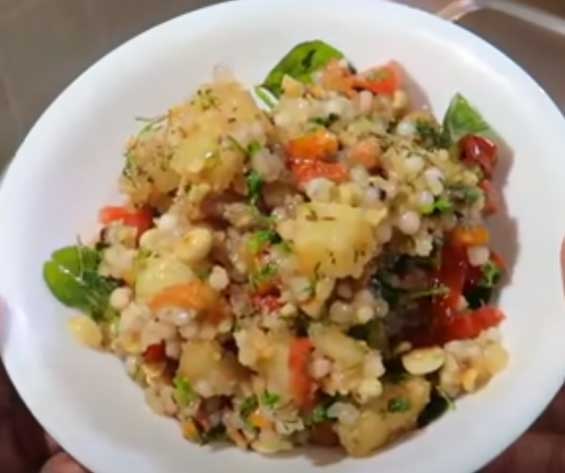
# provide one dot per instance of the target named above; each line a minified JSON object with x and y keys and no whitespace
{"x":62,"y":463}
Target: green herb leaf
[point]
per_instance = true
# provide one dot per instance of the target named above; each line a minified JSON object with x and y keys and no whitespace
{"x":398,"y":404}
{"x":482,"y":293}
{"x":491,"y":274}
{"x":270,"y":399}
{"x":302,"y":60}
{"x":253,"y":148}
{"x":442,"y":205}
{"x":248,"y":406}
{"x":236,"y":145}
{"x":318,"y":415}
{"x":467,"y":195}
{"x":254,"y":187}
{"x":431,"y":136}
{"x":184,"y":393}
{"x":259,"y":240}
{"x":463,"y":119}
{"x":72,"y":276}
{"x":264,"y":274}
{"x":440,"y":290}
{"x":264,"y":95}
{"x":326,"y":121}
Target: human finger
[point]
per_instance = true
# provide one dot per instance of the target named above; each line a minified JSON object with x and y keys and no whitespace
{"x":62,"y":463}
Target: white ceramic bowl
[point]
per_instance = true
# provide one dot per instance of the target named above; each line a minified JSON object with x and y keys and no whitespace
{"x":68,"y":166}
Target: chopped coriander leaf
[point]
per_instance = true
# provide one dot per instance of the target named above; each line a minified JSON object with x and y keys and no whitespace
{"x":254,"y":186}
{"x":253,"y":148}
{"x":184,"y":393}
{"x":442,"y":205}
{"x":206,"y":99}
{"x":491,"y":274}
{"x":431,"y":136}
{"x":264,"y":274}
{"x":285,"y":246}
{"x":465,"y":194}
{"x":248,"y":406}
{"x":270,"y":399}
{"x":326,"y":121}
{"x":398,"y":404}
{"x":259,"y":240}
{"x":318,"y":415}
{"x":440,"y":290}
{"x":236,"y":144}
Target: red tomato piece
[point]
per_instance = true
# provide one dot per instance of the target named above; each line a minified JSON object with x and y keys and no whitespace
{"x":476,"y":150}
{"x":452,"y":274}
{"x":492,"y":197}
{"x":155,"y":353}
{"x":470,"y":325}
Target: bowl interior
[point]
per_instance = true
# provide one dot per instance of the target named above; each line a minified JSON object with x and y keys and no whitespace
{"x":68,"y":168}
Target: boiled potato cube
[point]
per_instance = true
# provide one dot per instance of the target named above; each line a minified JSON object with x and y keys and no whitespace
{"x":335,"y":240}
{"x":158,"y":274}
{"x":393,"y":413}
{"x":334,"y":344}
{"x":210,"y":370}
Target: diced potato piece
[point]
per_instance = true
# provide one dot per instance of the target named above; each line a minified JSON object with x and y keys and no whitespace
{"x":379,"y":424}
{"x":210,"y":370}
{"x":331,"y":239}
{"x":275,"y":368}
{"x":160,"y":273}
{"x":215,"y":112}
{"x":86,"y":331}
{"x":336,"y":345}
{"x":364,"y":436}
{"x":147,"y":176}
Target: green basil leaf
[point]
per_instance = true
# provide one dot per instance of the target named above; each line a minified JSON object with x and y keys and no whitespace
{"x":72,"y":276}
{"x":300,"y":63}
{"x":463,"y":119}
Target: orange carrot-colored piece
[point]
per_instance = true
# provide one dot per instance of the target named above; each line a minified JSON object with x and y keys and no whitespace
{"x":319,"y":145}
{"x":141,"y":219}
{"x":302,"y":384}
{"x":307,"y":170}
{"x":470,"y":236}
